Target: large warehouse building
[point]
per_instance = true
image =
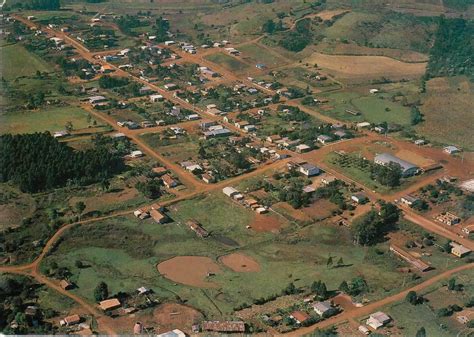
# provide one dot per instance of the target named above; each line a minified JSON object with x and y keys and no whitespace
{"x":408,"y":169}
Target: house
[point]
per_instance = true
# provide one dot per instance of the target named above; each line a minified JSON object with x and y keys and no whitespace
{"x":468,"y":229}
{"x":451,"y":149}
{"x":136,"y":154}
{"x":230,"y":191}
{"x":97,"y":99}
{"x":273,"y":138}
{"x":197,"y":228}
{"x":261,"y":210}
{"x":408,"y":200}
{"x":160,"y":170}
{"x":207,"y":178}
{"x":459,"y":250}
{"x":60,"y":134}
{"x":241,"y":124}
{"x":193,"y":117}
{"x":363,"y":329}
{"x":158,"y":216}
{"x":408,"y":169}
{"x":169,"y":43}
{"x":359,"y":198}
{"x":417,"y":263}
{"x":322,"y":308}
{"x":308,"y":170}
{"x":299,"y":316}
{"x":145,"y":90}
{"x":191,"y":166}
{"x":250,"y":128}
{"x":379,"y":129}
{"x":378,"y":320}
{"x":448,"y":218}
{"x":141,"y":214}
{"x":223,"y":132}
{"x":109,"y":304}
{"x":323,"y":139}
{"x":31,"y":310}
{"x":420,"y":142}
{"x":302,"y":148}
{"x":362,"y":125}
{"x":327,"y":179}
{"x":260,"y":66}
{"x":206,"y":123}
{"x":340,"y":134}
{"x":170,"y":86}
{"x":225,"y":326}
{"x":66,"y":285}
{"x":70,"y":320}
{"x":172,"y":333}
{"x":156,"y":98}
{"x":168,"y":181}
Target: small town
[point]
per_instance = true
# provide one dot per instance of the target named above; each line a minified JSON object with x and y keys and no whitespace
{"x":289,"y":168}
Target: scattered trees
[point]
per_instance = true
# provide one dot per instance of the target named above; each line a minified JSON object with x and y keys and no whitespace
{"x":101,"y":292}
{"x":371,"y":227}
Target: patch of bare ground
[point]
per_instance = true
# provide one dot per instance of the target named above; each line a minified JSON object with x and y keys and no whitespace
{"x":266,"y":223}
{"x":190,"y":270}
{"x":240,"y":263}
{"x":165,"y":317}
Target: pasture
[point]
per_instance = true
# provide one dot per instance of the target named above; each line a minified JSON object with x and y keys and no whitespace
{"x":16,"y":61}
{"x":228,"y":62}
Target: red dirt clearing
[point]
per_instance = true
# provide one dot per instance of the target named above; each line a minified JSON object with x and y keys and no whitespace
{"x":240,"y":263}
{"x":265,"y":223}
{"x":189,"y":270}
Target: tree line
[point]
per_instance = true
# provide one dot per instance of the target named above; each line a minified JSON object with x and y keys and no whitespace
{"x":38,"y":162}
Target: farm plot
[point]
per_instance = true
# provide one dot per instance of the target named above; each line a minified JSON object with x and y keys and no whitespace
{"x":362,"y":69}
{"x":258,"y":54}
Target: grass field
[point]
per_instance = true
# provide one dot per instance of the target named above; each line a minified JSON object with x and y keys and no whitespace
{"x":447,"y":109}
{"x":51,"y":119}
{"x":16,"y":61}
{"x":409,"y":318}
{"x":259,"y":54}
{"x":229,"y":62}
{"x":373,"y":108}
{"x":124,"y":253}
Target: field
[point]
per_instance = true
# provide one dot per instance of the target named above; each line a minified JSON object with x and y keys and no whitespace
{"x":51,"y":119}
{"x":447,"y":109}
{"x":16,"y":61}
{"x":125,"y":252}
{"x":229,"y":62}
{"x":373,"y":108}
{"x":365,"y":68}
{"x":260,"y":54}
{"x":408,"y":318}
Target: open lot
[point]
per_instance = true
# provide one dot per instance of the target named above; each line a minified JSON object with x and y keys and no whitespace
{"x":17,"y":61}
{"x":228,"y":62}
{"x":453,"y":127}
{"x":51,"y":119}
{"x":362,"y":69}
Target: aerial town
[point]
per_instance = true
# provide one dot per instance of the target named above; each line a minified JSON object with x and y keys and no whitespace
{"x":236,"y":167}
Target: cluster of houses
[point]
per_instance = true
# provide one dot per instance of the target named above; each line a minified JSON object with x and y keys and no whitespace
{"x":247,"y":202}
{"x":211,"y":129}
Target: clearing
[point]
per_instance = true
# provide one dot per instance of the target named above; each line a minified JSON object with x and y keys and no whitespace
{"x":240,"y":263}
{"x":190,"y":270}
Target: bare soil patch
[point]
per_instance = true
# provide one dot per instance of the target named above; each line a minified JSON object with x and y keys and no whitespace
{"x":329,"y":14}
{"x":320,"y":209}
{"x":240,"y":263}
{"x":189,"y":270}
{"x":415,"y":158}
{"x":266,"y":223}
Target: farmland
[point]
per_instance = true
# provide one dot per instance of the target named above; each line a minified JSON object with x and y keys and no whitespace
{"x":18,"y":62}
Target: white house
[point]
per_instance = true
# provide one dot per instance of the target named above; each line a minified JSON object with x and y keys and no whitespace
{"x":308,"y":170}
{"x":230,"y":191}
{"x":156,"y":98}
{"x":378,"y":320}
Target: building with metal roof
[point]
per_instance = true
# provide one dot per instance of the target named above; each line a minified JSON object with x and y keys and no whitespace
{"x":408,"y":169}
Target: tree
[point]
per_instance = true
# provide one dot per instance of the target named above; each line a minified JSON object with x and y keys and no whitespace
{"x":79,"y":264}
{"x":412,"y":298}
{"x":421,"y":332}
{"x":80,"y":206}
{"x":68,"y":126}
{"x":452,"y":284}
{"x":101,"y":292}
{"x":319,"y":289}
{"x":269,"y":27}
{"x":329,"y":262}
{"x":340,"y":262}
{"x":344,"y":287}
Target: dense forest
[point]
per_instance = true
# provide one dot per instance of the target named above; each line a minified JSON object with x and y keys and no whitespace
{"x":453,"y":49}
{"x":38,"y":162}
{"x":49,"y":5}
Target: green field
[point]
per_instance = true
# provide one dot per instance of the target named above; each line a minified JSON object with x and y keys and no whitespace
{"x":259,"y":54}
{"x":373,"y":108}
{"x":52,"y":119}
{"x":16,"y":61}
{"x":228,"y":62}
{"x":124,"y":253}
{"x":409,"y":318}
